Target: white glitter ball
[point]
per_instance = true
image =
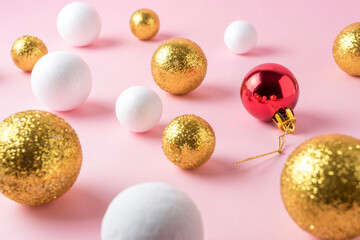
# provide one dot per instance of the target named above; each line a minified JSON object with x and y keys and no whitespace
{"x":240,"y":37}
{"x":138,"y":109}
{"x":79,"y":24}
{"x":152,"y":211}
{"x":61,"y":80}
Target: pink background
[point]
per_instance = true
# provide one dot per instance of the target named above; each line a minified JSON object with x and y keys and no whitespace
{"x":241,"y":202}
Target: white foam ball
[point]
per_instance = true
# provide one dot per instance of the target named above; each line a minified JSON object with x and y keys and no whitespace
{"x":79,"y":24}
{"x":152,"y":211}
{"x":138,"y":108}
{"x":240,"y":37}
{"x":61,"y":80}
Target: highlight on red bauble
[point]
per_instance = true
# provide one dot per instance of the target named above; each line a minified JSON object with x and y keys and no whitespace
{"x":267,"y":89}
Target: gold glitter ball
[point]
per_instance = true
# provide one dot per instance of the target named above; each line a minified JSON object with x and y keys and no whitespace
{"x":178,"y":66}
{"x":144,"y":24}
{"x":26,"y":51}
{"x":346,"y":49}
{"x":188,"y":141}
{"x":40,"y":156}
{"x":320,"y":186}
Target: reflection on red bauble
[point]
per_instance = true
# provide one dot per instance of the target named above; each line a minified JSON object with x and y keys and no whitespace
{"x":268,"y":89}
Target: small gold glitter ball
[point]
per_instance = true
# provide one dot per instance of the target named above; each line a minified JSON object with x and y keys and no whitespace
{"x":144,"y":24}
{"x":188,"y":141}
{"x":178,"y":66}
{"x":40,"y":157}
{"x":320,"y":186}
{"x":346,"y":49}
{"x":26,"y":51}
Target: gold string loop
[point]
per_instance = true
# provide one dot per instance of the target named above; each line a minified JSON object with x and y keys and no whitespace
{"x":282,"y":137}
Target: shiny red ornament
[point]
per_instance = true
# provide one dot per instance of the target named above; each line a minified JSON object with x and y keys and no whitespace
{"x":268,"y":90}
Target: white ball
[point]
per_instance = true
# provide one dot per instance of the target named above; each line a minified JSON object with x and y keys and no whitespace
{"x":61,"y":80}
{"x":240,"y":37}
{"x":79,"y":24}
{"x":138,"y":108}
{"x":152,"y":211}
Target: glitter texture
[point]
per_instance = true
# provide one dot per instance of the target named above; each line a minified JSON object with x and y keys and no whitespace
{"x":26,"y":51}
{"x":346,"y":49}
{"x":40,"y":157}
{"x":178,"y":66}
{"x":144,"y":24}
{"x":320,"y":186}
{"x":188,"y":141}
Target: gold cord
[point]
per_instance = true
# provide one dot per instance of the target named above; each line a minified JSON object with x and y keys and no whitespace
{"x":279,"y":150}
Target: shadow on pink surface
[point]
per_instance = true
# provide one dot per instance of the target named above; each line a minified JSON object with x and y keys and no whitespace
{"x":262,"y":51}
{"x":215,"y":167}
{"x":207,"y":92}
{"x":90,"y":109}
{"x":155,"y":133}
{"x":27,"y":74}
{"x":78,"y":203}
{"x":160,"y":37}
{"x":103,"y":43}
{"x":223,"y":167}
{"x":307,"y":122}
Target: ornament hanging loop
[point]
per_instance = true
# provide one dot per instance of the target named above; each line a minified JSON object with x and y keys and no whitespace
{"x":290,"y":127}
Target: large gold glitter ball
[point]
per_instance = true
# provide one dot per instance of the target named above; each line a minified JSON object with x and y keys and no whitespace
{"x":346,"y":49}
{"x":40,"y":157}
{"x":144,"y":24}
{"x":188,"y":141}
{"x":320,"y":186}
{"x":26,"y":51}
{"x":178,"y":66}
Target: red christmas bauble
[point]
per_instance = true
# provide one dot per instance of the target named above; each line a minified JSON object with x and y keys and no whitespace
{"x":267,"y":89}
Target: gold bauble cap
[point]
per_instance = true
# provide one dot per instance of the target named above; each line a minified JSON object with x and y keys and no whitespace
{"x":320,"y":186}
{"x":178,"y":66}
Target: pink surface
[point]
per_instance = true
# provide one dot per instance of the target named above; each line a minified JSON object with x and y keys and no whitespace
{"x":241,"y":202}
